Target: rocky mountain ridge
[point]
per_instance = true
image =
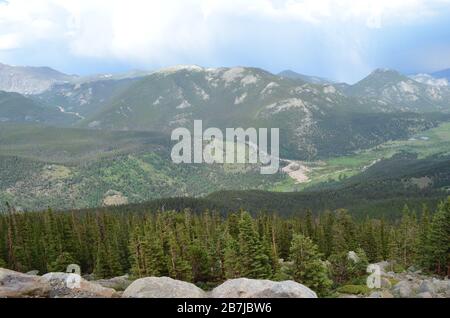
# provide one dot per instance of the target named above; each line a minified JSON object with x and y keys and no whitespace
{"x":30,"y":80}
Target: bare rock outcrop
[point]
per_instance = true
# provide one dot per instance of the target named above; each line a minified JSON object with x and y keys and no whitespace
{"x":64,"y":285}
{"x":254,"y":288}
{"x":162,"y":287}
{"x":18,"y":285}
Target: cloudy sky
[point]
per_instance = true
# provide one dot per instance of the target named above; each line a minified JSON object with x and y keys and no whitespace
{"x":339,"y":39}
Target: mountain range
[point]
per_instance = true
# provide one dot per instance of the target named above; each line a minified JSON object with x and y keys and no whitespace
{"x":69,"y":134}
{"x":29,"y":80}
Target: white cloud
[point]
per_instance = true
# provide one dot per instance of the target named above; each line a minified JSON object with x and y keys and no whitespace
{"x":108,"y":28}
{"x":159,"y":31}
{"x":9,"y":41}
{"x":372,"y":12}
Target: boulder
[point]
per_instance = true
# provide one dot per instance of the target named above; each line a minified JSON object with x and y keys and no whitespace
{"x":385,"y":283}
{"x":403,"y":289}
{"x":18,"y":285}
{"x":427,"y":287}
{"x":162,"y":287}
{"x":441,"y":286}
{"x":64,"y":285}
{"x":117,"y":283}
{"x":252,"y":288}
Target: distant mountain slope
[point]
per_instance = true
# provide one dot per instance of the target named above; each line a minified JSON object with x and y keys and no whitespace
{"x":315,"y":120}
{"x":430,"y":80}
{"x":394,"y":91}
{"x":306,"y":78}
{"x":29,"y":80}
{"x":84,"y":98}
{"x":15,"y":108}
{"x":111,"y":76}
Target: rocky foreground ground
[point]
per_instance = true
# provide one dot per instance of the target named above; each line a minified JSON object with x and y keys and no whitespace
{"x":411,"y":284}
{"x":62,"y":285}
{"x":408,"y":284}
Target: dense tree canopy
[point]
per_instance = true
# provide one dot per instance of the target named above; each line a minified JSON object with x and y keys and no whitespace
{"x":208,"y":248}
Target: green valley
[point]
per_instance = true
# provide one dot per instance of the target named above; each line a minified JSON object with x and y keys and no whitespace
{"x":435,"y":141}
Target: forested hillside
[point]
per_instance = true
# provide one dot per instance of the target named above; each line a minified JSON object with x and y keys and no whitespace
{"x":207,"y":248}
{"x":15,"y":108}
{"x":79,"y":168}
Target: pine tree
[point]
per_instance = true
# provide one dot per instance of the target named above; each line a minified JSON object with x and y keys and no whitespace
{"x":368,"y":240}
{"x":232,"y":267}
{"x":344,"y":232}
{"x":423,"y":248}
{"x":309,"y":225}
{"x":137,"y":259}
{"x":178,"y":264}
{"x":328,"y":234}
{"x":233,"y":225}
{"x":53,"y":240}
{"x":440,"y":239}
{"x":254,"y":262}
{"x":284,"y":239}
{"x":200,"y":262}
{"x":155,"y":258}
{"x":147,"y":256}
{"x":394,"y":248}
{"x":101,"y":268}
{"x":308,"y":268}
{"x":108,"y":263}
{"x":383,"y":240}
{"x":408,"y":237}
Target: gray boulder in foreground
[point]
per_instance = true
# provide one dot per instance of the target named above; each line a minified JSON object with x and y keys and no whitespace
{"x":63,"y":287}
{"x":403,"y":289}
{"x":253,"y":288}
{"x":162,"y":287}
{"x":18,"y":285}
